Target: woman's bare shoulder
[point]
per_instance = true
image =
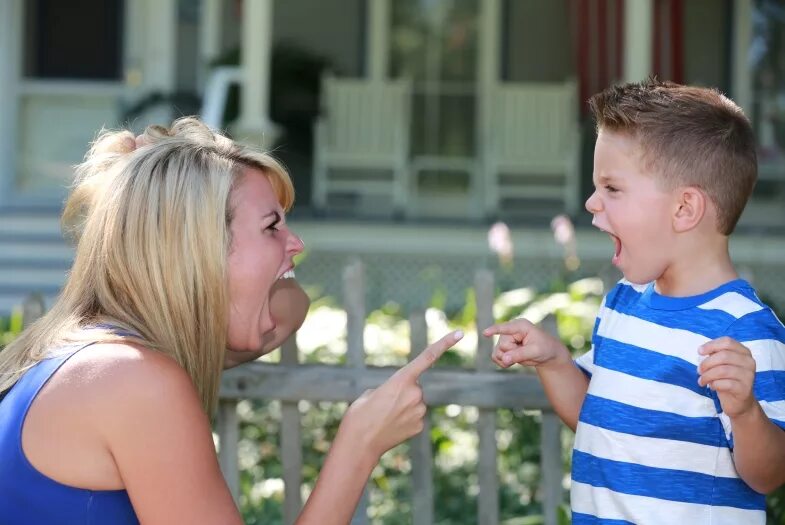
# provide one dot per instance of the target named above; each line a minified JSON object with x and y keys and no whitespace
{"x":114,"y":365}
{"x":146,"y":413}
{"x":109,"y":377}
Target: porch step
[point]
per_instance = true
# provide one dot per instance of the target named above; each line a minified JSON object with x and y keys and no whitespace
{"x":34,"y":257}
{"x":47,"y":253}
{"x":29,"y":224}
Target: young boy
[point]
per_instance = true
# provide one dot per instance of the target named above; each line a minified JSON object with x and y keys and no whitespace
{"x":676,"y":422}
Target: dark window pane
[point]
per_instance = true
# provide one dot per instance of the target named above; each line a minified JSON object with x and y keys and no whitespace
{"x":536,"y":41}
{"x":77,"y":39}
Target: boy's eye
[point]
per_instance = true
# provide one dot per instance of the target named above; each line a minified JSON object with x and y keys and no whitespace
{"x":611,"y":189}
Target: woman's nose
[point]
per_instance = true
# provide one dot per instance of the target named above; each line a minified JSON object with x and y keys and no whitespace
{"x":295,"y":243}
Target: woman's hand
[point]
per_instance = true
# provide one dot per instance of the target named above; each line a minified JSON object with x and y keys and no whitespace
{"x":388,"y":415}
{"x":377,"y":421}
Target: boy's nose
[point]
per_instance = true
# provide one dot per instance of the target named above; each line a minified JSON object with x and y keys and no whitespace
{"x":593,"y":204}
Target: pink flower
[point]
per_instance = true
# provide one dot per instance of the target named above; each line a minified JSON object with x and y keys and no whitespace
{"x":563,"y":230}
{"x":564,"y":234}
{"x":500,"y":242}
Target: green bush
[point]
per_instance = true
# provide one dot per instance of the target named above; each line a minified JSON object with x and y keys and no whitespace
{"x":10,"y":327}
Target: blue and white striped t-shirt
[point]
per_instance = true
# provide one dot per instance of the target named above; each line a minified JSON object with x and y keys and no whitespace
{"x":652,"y":446}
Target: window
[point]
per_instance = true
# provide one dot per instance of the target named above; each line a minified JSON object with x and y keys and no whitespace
{"x":74,"y":39}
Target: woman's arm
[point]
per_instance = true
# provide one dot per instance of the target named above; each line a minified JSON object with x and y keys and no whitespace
{"x":288,"y":306}
{"x":154,"y":427}
{"x":152,"y":422}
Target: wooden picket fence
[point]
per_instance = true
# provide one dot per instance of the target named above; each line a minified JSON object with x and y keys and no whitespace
{"x":484,"y":387}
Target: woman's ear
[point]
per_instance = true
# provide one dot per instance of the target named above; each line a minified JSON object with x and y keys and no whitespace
{"x":690,"y":209}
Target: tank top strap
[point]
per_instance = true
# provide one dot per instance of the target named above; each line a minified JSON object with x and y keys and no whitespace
{"x":17,"y":401}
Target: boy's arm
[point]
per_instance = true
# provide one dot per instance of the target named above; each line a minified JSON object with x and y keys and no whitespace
{"x":759,"y":450}
{"x":759,"y":444}
{"x":288,"y":307}
{"x":524,"y":343}
{"x":566,"y":386}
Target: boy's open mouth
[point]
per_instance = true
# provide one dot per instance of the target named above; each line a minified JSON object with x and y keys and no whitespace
{"x":616,"y":246}
{"x":617,"y":249}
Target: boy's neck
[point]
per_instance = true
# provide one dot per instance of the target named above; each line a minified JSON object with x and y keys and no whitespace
{"x":699,"y":270}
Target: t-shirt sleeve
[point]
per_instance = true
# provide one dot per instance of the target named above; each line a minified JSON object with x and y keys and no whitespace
{"x":586,"y":361}
{"x":764,"y":335}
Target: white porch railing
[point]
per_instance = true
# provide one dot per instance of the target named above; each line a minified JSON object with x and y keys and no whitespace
{"x":482,"y":387}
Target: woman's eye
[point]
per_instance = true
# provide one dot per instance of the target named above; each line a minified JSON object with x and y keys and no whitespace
{"x":274,"y":226}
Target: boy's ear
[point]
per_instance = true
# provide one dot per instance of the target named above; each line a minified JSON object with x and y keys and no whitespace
{"x":690,"y":209}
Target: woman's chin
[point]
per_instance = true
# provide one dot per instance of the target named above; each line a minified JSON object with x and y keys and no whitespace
{"x":255,"y":350}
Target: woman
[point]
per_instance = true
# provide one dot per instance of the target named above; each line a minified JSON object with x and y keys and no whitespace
{"x":182,"y":245}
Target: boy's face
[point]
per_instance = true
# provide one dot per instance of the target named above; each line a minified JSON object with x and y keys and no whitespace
{"x":628,"y":204}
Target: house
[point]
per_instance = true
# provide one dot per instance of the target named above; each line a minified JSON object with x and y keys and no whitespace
{"x":495,"y":123}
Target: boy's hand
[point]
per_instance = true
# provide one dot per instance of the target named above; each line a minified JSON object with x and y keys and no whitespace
{"x":524,"y":343}
{"x":729,"y":370}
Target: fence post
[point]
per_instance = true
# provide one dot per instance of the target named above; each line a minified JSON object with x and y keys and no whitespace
{"x":354,"y":303}
{"x":291,"y":443}
{"x":421,"y":451}
{"x":229,"y":436}
{"x":488,"y":500}
{"x":33,"y":307}
{"x":550,"y":452}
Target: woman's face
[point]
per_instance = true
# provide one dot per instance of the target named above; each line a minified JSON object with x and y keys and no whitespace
{"x":261,"y":252}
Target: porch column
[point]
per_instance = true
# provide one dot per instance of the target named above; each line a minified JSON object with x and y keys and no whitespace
{"x":10,"y":39}
{"x":377,"y":51}
{"x":741,"y":79}
{"x":254,"y":125}
{"x":487,"y":80}
{"x":638,"y":23}
{"x":151,"y":55}
{"x":210,"y":24}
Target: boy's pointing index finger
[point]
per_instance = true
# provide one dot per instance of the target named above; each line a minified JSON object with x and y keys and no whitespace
{"x":514,"y":327}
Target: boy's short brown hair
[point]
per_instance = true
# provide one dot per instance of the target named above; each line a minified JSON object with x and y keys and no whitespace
{"x":690,"y":136}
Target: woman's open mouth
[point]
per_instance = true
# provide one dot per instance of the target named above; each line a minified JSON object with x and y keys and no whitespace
{"x":288,"y":273}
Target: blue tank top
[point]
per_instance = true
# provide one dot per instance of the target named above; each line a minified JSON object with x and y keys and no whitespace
{"x":28,"y":497}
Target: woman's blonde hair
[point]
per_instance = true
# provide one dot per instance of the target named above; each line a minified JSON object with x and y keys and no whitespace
{"x":150,"y":216}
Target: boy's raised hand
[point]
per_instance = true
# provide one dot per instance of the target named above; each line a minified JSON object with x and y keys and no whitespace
{"x":729,"y":369}
{"x":524,"y":343}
